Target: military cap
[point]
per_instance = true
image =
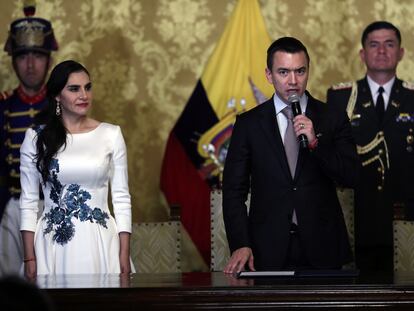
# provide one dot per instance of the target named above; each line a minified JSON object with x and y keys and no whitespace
{"x":30,"y":34}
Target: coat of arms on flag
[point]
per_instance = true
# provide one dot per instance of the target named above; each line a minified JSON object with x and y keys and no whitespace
{"x":233,"y":81}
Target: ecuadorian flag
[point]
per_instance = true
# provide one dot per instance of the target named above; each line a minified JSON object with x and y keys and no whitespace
{"x":232,"y":82}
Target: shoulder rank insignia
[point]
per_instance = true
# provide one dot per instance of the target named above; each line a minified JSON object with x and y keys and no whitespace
{"x":342,"y":85}
{"x":408,"y":85}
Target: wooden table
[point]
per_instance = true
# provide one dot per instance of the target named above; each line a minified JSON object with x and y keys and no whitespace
{"x":216,"y":291}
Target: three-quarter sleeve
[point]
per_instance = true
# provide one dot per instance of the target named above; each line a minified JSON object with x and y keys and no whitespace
{"x":30,"y":181}
{"x":121,"y":199}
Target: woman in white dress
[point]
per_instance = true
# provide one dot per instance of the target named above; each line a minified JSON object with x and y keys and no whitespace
{"x":74,"y":158}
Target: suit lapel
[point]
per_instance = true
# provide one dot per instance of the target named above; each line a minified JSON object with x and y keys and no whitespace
{"x":394,"y":102}
{"x":365,"y":101}
{"x":268,"y":123}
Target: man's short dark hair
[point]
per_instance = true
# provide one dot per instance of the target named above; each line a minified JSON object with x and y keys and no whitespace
{"x":378,"y":25}
{"x":285,"y":44}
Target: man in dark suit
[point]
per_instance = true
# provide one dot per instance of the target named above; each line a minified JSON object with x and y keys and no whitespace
{"x":295,"y":220}
{"x":381,"y":109}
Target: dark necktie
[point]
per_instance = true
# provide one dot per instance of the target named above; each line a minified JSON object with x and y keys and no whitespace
{"x":380,"y":107}
{"x":291,"y":147}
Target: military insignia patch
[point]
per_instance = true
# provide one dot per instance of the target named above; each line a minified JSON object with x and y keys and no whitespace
{"x":342,"y":85}
{"x":395,"y":104}
{"x":405,"y":117}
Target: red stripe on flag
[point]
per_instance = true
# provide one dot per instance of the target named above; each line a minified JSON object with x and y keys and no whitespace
{"x":182,"y":185}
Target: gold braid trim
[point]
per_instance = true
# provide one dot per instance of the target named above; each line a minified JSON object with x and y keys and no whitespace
{"x":377,"y":158}
{"x":386,"y":152}
{"x":369,"y":161}
{"x":383,"y":170}
{"x":371,"y":145}
{"x":379,"y":138}
{"x":14,"y":190}
{"x":31,"y":112}
{"x":352,"y":100}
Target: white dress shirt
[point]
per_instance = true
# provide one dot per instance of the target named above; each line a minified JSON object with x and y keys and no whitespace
{"x":374,"y":86}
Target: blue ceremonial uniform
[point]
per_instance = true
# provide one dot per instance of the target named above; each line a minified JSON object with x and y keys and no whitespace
{"x":28,"y":38}
{"x":4,"y":193}
{"x":17,"y":114}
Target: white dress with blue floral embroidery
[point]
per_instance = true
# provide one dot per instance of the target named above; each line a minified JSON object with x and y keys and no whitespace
{"x":77,"y":233}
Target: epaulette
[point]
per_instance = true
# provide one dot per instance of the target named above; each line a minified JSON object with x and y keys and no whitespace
{"x":342,"y":85}
{"x":5,"y":95}
{"x":408,"y":85}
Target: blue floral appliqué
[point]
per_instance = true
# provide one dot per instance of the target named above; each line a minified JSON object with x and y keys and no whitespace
{"x":70,"y":204}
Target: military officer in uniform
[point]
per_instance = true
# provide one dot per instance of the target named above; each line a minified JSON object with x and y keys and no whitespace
{"x":29,"y":44}
{"x":381,"y":110}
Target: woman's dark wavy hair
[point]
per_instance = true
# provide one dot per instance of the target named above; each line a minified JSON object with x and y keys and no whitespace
{"x":53,"y":135}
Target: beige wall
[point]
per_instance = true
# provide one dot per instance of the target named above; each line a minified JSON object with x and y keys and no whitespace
{"x":146,"y":56}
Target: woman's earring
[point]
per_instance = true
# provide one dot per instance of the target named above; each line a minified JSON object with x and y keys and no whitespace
{"x":58,"y":108}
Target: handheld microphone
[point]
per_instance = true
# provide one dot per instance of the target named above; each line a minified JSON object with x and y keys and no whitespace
{"x":294,"y":101}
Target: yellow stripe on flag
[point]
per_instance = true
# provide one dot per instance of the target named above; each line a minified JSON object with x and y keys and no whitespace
{"x":239,"y":55}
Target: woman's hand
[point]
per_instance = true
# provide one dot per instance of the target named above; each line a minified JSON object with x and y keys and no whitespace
{"x":30,"y":270}
{"x":124,"y":254}
{"x":29,"y":260}
{"x":125,"y":263}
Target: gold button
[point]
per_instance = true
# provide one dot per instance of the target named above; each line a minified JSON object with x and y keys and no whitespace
{"x":379,"y":169}
{"x":380,"y":133}
{"x":9,"y":159}
{"x":379,"y":188}
{"x":32,"y":113}
{"x":380,"y":151}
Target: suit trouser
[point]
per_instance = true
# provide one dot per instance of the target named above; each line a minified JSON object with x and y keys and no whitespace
{"x":11,"y":245}
{"x":296,"y":257}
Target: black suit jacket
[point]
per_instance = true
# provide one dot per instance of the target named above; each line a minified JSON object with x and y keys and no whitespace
{"x":256,"y":161}
{"x":379,"y":195}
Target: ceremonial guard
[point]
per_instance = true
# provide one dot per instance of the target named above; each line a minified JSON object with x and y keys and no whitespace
{"x":29,"y":44}
{"x":381,"y":111}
